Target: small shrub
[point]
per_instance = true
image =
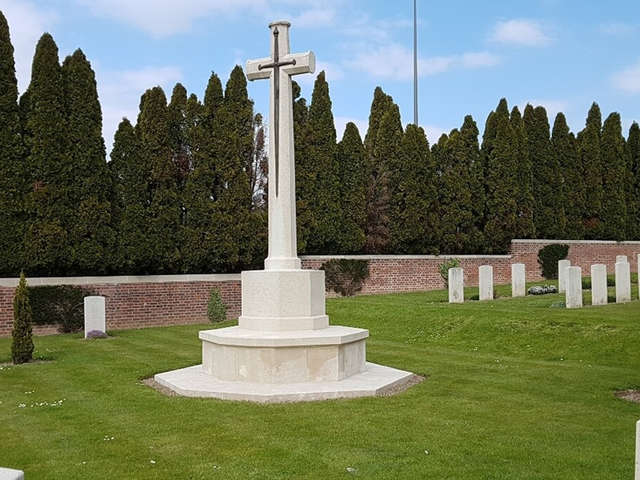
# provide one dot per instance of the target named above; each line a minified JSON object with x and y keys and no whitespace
{"x":548,"y":258}
{"x":22,"y":337}
{"x":346,"y":276}
{"x":216,"y":310}
{"x":444,"y":269}
{"x":59,"y":304}
{"x":586,"y":282}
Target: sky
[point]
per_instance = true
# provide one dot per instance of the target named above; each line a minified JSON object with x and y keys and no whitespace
{"x":563,"y":54}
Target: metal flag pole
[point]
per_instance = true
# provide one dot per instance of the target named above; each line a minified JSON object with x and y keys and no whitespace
{"x":415,"y":63}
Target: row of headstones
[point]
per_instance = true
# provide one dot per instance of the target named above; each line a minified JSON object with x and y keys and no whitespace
{"x":485,"y":282}
{"x":570,"y":282}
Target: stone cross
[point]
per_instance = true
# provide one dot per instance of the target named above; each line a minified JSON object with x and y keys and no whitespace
{"x":279,"y":67}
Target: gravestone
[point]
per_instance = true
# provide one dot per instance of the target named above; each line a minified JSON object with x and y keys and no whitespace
{"x":623,"y":282}
{"x":638,"y":451}
{"x":456,"y":285}
{"x":638,"y":275}
{"x":621,"y":259}
{"x":562,"y":275}
{"x":518,"y":280}
{"x":11,"y":474}
{"x":599,"y":284}
{"x":283,"y":348}
{"x":485,"y":275}
{"x":94,"y":315}
{"x":574,"y":287}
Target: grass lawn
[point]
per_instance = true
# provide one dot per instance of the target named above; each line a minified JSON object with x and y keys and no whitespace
{"x":516,"y":389}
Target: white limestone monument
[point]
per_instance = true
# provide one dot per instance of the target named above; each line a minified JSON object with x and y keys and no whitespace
{"x":456,"y":285}
{"x":574,"y":287}
{"x":623,"y":282}
{"x":94,"y":315}
{"x":637,"y":451}
{"x":599,"y":293}
{"x":485,"y":282}
{"x":283,"y":348}
{"x":563,"y":265}
{"x":518,"y":280}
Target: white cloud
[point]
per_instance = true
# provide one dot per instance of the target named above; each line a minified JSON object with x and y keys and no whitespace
{"x":26,"y":24}
{"x":628,"y":80}
{"x":520,"y":31}
{"x":618,"y":29}
{"x":120,"y":93}
{"x":553,"y":107}
{"x":341,"y":124}
{"x":315,"y":18}
{"x":396,"y":62}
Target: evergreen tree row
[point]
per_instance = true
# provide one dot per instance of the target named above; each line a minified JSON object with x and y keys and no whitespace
{"x":185,"y":190}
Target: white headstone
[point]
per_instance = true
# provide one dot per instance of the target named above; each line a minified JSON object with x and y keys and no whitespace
{"x":518,"y":280}
{"x":11,"y":474}
{"x":623,"y":282}
{"x":621,"y":259}
{"x":599,"y":284}
{"x":574,"y":287}
{"x":638,"y":275}
{"x":456,"y":285}
{"x":562,"y":275}
{"x":94,"y":315}
{"x":485,"y":275}
{"x":638,"y":451}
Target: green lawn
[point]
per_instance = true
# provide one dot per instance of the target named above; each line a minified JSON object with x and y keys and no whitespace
{"x":516,"y":389}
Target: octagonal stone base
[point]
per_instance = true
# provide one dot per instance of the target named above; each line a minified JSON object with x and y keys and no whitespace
{"x":195,"y":382}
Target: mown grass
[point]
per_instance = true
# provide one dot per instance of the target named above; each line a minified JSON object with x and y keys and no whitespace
{"x":516,"y":389}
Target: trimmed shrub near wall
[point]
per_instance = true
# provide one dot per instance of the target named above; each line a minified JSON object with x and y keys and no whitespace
{"x":22,"y":344}
{"x":62,"y":305}
{"x":548,"y":258}
{"x":345,"y":276}
{"x":216,"y":311}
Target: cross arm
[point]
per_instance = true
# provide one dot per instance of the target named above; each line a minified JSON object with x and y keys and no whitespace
{"x":304,"y":63}
{"x":253,"y":70}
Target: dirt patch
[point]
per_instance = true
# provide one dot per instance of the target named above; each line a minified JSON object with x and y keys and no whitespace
{"x":630,"y":395}
{"x":150,"y":382}
{"x":394,"y":390}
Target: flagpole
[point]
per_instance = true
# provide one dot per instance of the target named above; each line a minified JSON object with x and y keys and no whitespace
{"x":415,"y":63}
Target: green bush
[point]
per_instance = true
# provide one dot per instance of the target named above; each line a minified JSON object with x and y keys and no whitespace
{"x":548,"y":258}
{"x":444,"y":269}
{"x":22,"y":340}
{"x":62,"y":305}
{"x":216,"y":310}
{"x":586,"y":282}
{"x":345,"y":276}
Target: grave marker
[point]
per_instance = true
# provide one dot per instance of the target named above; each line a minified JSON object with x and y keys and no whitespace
{"x":518,"y":280}
{"x":598,"y":284}
{"x":574,"y":287}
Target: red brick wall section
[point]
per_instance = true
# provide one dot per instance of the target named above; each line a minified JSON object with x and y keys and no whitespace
{"x":156,"y":303}
{"x":138,"y":305}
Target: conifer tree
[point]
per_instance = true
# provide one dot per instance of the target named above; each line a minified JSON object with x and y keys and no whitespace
{"x":46,"y":248}
{"x":470,"y":152}
{"x":414,"y":197}
{"x":22,"y":344}
{"x":324,"y":201}
{"x":377,"y":231}
{"x":178,"y":134}
{"x":91,"y":238}
{"x":591,"y":164}
{"x":549,"y":216}
{"x":525,"y":227}
{"x":632,"y":150}
{"x":200,"y":247}
{"x":352,"y":177}
{"x":565,"y":151}
{"x":12,"y":184}
{"x":130,"y":200}
{"x":152,"y":131}
{"x":501,"y":184}
{"x":614,"y":206}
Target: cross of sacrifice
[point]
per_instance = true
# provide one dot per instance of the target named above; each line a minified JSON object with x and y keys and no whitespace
{"x":279,"y":67}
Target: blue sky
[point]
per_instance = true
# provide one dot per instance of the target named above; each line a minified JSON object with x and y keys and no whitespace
{"x":563,"y":54}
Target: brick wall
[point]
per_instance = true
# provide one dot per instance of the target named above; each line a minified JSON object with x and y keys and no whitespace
{"x":135,"y":302}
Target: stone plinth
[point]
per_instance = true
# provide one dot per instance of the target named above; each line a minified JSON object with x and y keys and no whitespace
{"x":574,"y":287}
{"x":485,"y":275}
{"x":94,"y":315}
{"x":518,"y":280}
{"x":599,"y":284}
{"x":238,"y":355}
{"x":11,"y":474}
{"x":623,"y":282}
{"x":562,"y":275}
{"x":456,"y":285}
